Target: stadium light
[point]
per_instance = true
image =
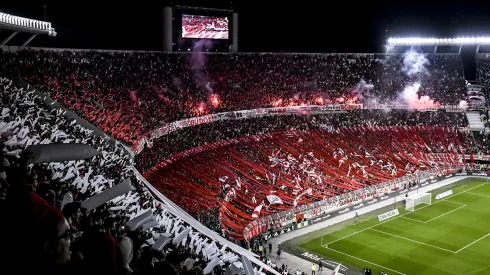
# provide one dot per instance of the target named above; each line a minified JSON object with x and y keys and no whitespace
{"x":18,"y":24}
{"x":421,"y":41}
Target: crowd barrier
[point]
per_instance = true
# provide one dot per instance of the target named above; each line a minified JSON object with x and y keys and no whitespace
{"x":305,"y":110}
{"x":283,"y":222}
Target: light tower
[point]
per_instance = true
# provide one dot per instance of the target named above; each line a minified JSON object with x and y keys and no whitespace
{"x":18,"y":24}
{"x":436,"y":42}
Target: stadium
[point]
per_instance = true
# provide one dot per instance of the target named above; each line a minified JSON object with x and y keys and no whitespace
{"x":198,"y":158}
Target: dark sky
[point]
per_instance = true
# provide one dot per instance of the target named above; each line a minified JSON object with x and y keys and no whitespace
{"x":301,"y":26}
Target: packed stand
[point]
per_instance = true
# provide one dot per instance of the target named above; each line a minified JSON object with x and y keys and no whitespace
{"x":483,"y":70}
{"x":196,"y":136}
{"x":130,"y":94}
{"x":49,"y":227}
{"x":238,"y":175}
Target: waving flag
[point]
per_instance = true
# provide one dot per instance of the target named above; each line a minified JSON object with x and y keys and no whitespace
{"x":273,"y":199}
{"x":256,"y":212}
{"x":309,"y":192}
{"x":336,"y":270}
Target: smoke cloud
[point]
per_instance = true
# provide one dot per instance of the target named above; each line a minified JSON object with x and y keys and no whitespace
{"x":361,"y":91}
{"x":463,"y":104}
{"x":198,"y":64}
{"x":415,"y":67}
{"x":414,"y":64}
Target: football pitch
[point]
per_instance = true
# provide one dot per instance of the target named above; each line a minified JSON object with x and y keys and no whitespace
{"x":451,"y":236}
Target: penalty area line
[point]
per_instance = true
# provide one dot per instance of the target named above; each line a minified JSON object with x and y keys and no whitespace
{"x":472,"y":272}
{"x":446,"y":213}
{"x":473,"y":243}
{"x":359,"y":259}
{"x":407,"y":218}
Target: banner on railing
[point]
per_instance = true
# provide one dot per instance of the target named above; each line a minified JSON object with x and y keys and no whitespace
{"x":303,"y":110}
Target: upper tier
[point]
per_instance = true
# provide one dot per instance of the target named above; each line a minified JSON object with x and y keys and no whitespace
{"x":127,"y":94}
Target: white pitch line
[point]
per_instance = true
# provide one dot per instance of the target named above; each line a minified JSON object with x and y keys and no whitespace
{"x":357,"y":232}
{"x":445,"y":213}
{"x":413,"y":219}
{"x":461,"y":186}
{"x":472,"y":272}
{"x":455,"y":202}
{"x":407,"y":239}
{"x":483,"y":195}
{"x":365,"y":261}
{"x":462,"y":205}
{"x":473,"y":242}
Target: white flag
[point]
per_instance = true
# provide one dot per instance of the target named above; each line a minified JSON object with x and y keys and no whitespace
{"x":256,"y":212}
{"x":309,"y":192}
{"x":336,"y":270}
{"x":273,"y":199}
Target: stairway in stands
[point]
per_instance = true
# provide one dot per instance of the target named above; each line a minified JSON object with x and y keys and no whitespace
{"x":474,"y":120}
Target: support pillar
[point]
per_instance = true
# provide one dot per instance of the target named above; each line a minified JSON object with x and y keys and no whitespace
{"x":167,"y":42}
{"x":460,"y":46}
{"x":435,"y":49}
{"x":28,"y":41}
{"x":8,"y":38}
{"x":234,"y":33}
{"x":477,"y":49}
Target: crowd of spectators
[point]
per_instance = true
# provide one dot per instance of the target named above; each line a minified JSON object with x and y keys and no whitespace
{"x":46,"y":227}
{"x":209,"y":174}
{"x":483,"y":70}
{"x":199,"y":135}
{"x":128,"y":94}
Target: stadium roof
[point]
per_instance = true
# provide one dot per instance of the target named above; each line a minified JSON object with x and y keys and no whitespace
{"x":421,"y":41}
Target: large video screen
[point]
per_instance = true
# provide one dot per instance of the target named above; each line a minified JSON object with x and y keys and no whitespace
{"x":204,"y":27}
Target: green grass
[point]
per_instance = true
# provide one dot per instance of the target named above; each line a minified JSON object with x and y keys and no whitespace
{"x":451,"y":236}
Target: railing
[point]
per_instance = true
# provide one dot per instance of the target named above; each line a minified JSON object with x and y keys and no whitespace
{"x":323,"y":207}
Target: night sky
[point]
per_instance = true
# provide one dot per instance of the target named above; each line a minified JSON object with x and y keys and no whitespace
{"x":305,"y":26}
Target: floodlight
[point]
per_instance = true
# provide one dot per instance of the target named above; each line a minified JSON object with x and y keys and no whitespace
{"x":457,"y":41}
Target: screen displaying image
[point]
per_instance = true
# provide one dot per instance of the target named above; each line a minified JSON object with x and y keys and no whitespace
{"x":204,"y":27}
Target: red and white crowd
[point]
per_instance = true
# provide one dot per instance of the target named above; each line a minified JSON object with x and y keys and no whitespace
{"x":225,"y":173}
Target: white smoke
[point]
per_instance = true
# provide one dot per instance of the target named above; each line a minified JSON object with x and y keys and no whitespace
{"x":463,"y":104}
{"x":198,"y":64}
{"x":361,"y":91}
{"x":414,"y":64}
{"x":362,"y":86}
{"x":409,"y":94}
